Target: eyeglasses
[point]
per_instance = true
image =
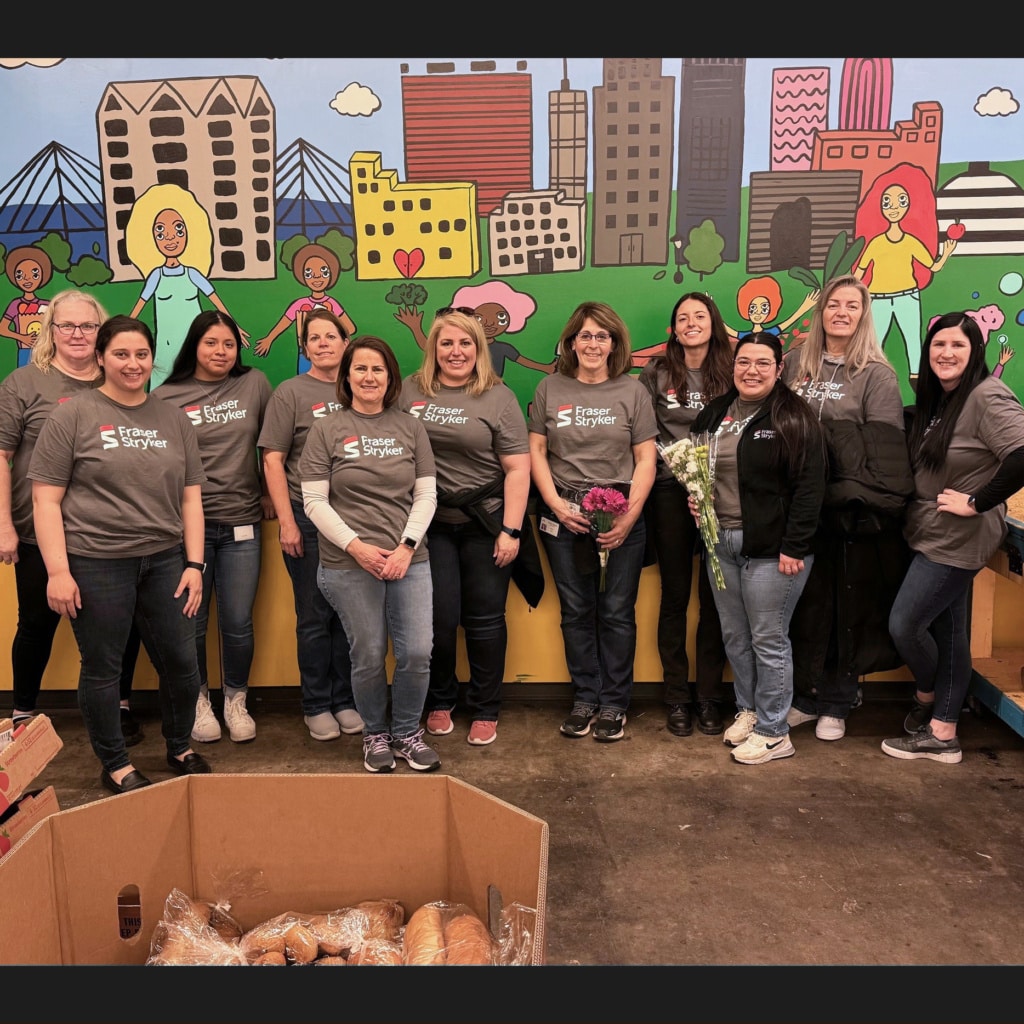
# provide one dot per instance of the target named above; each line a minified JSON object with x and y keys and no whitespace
{"x":586,"y":337}
{"x":68,"y":329}
{"x":464,"y":310}
{"x":761,"y":365}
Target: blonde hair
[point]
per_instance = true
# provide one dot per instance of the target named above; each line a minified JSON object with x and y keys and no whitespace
{"x":484,"y":378}
{"x":45,"y":347}
{"x":863,"y":347}
{"x":138,"y":232}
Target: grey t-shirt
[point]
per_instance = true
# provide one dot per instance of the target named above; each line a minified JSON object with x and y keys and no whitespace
{"x":125,"y":469}
{"x":227,"y":416}
{"x":591,"y":428}
{"x":468,"y":434}
{"x":724,"y":466}
{"x":27,"y":397}
{"x":372,"y":464}
{"x":990,"y":426}
{"x":873,"y":395}
{"x":296,"y":404}
{"x":673,"y":416}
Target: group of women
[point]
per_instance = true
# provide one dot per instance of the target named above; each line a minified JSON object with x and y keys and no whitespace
{"x":847,"y":544}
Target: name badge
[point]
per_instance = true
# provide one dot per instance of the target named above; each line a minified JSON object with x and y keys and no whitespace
{"x":551,"y":526}
{"x":244,"y":533}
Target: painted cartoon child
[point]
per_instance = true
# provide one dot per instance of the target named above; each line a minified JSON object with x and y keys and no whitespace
{"x":759,"y":301}
{"x":28,"y":269}
{"x":169,"y":239}
{"x":317,"y":268}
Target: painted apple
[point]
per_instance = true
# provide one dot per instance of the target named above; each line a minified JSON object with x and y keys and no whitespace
{"x":955,"y":231}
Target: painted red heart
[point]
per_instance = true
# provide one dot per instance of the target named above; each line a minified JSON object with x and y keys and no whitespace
{"x":409,"y":263}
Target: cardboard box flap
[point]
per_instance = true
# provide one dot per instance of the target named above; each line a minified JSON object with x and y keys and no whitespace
{"x":31,"y":933}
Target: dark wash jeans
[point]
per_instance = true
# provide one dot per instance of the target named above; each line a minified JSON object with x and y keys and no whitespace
{"x":115,"y":592}
{"x":471,"y":591}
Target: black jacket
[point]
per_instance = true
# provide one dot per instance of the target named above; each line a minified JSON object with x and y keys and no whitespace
{"x":780,"y":514}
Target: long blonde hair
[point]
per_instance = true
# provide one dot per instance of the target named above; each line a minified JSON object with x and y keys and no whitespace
{"x":484,"y":378}
{"x":45,"y":347}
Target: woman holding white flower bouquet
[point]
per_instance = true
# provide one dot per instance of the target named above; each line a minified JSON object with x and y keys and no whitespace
{"x":695,"y":367}
{"x":768,"y":460}
{"x":592,"y":431}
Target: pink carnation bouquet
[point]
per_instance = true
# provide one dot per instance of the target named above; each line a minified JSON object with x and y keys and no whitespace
{"x":602,"y":505}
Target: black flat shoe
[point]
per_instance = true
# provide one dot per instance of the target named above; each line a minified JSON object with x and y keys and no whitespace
{"x":679,"y":721}
{"x":709,"y":718}
{"x":192,"y":764}
{"x":133,"y":780}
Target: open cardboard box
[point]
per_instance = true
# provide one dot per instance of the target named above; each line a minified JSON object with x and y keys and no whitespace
{"x":24,"y":753}
{"x":318,"y":843}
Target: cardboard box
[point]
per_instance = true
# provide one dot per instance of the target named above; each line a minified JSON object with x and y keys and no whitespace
{"x":24,"y":814}
{"x":31,"y":748}
{"x":317,"y":843}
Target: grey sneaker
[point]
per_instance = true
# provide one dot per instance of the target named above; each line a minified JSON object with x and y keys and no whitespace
{"x":924,"y":743}
{"x":349,"y":721}
{"x":421,"y":758}
{"x":611,"y":725}
{"x":580,"y":719}
{"x":377,"y":756}
{"x":919,"y":716}
{"x":323,"y":726}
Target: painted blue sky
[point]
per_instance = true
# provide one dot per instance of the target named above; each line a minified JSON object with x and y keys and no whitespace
{"x":38,"y":105}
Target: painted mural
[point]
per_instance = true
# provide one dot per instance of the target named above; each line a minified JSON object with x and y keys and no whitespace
{"x":388,"y":188}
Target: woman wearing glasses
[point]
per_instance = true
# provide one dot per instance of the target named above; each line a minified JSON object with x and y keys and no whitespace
{"x":840,"y":629}
{"x":768,"y":460}
{"x":592,"y":424}
{"x":63,"y":364}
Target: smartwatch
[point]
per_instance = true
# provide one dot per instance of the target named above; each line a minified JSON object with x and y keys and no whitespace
{"x":409,"y":543}
{"x":970,"y":501}
{"x":201,"y":566}
{"x":514,"y":534}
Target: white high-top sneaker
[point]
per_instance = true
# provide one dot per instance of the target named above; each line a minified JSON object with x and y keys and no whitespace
{"x":206,"y":728}
{"x":241,"y":727}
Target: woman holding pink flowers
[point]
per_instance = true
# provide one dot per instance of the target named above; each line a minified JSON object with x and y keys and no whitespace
{"x":592,"y":426}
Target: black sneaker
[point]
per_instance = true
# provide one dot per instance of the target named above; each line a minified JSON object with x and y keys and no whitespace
{"x":709,"y":718}
{"x":131,"y":728}
{"x":919,"y":717}
{"x":579,"y":721}
{"x":610,"y":725}
{"x":924,"y":743}
{"x":679,"y":721}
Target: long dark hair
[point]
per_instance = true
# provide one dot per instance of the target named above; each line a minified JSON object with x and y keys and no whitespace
{"x":718,"y":361}
{"x":184,"y":367}
{"x":928,"y":447}
{"x":797,"y":427}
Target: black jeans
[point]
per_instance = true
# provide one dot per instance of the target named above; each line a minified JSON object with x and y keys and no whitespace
{"x":37,"y":625}
{"x":676,"y":538}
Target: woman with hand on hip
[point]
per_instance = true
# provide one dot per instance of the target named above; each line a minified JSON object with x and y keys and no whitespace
{"x":325,"y":667}
{"x":967,"y":447}
{"x":695,"y":367}
{"x":768,"y":464}
{"x":592,"y":424}
{"x":225,"y":402}
{"x":478,"y":436}
{"x":368,"y":483}
{"x":116,"y":479}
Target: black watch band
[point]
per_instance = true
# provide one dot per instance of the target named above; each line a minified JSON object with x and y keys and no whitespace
{"x":201,"y":566}
{"x":514,"y":534}
{"x":409,"y":543}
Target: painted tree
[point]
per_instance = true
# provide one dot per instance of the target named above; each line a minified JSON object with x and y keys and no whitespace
{"x":703,"y":252}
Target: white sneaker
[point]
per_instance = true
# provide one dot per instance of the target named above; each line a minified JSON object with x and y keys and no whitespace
{"x":795,"y":717}
{"x":741,"y":728}
{"x":829,"y":728}
{"x":241,"y":727}
{"x":323,"y":726}
{"x":206,"y":728}
{"x":759,"y":749}
{"x":350,"y":721}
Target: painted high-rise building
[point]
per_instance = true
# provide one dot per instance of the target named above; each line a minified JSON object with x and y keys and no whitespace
{"x":469,"y":127}
{"x":567,"y":138}
{"x":799,"y":110}
{"x":214,"y":137}
{"x":865,"y":94}
{"x":710,"y":171}
{"x":633,"y":144}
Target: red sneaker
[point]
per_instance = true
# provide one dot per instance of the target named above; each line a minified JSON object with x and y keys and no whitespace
{"x":482,"y":733}
{"x":439,"y":723}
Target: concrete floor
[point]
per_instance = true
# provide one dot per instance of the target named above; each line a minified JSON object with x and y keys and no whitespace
{"x":665,"y":851}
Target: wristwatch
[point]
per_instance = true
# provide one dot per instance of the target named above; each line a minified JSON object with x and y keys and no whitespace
{"x":409,"y":543}
{"x":970,"y":501}
{"x":201,"y":566}
{"x":514,"y":534}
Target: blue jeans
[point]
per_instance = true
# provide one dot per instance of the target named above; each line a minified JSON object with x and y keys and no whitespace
{"x":598,"y":628}
{"x":233,"y":570}
{"x":929,"y":623}
{"x":372,"y":610}
{"x":469,"y":589}
{"x":755,"y":609}
{"x":116,"y":591}
{"x":325,"y":667}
